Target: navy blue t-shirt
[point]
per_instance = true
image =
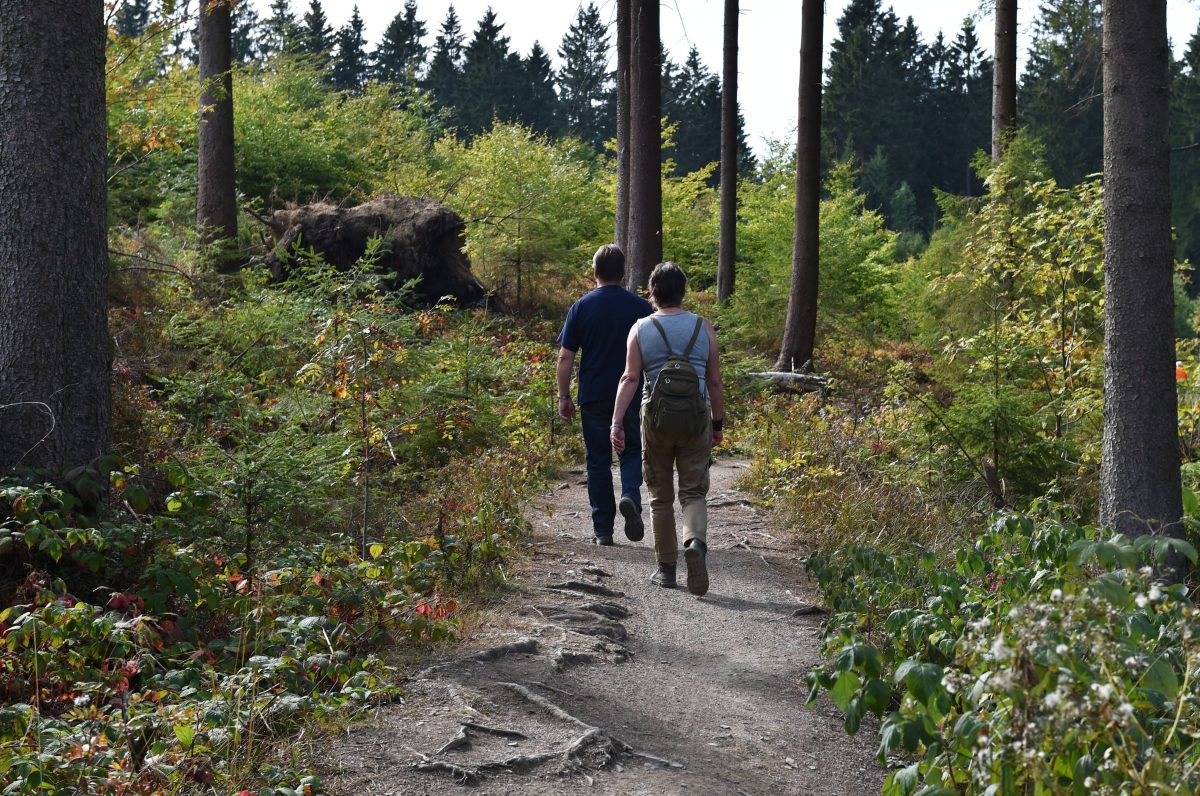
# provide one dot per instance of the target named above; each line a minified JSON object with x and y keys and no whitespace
{"x":599,"y":323}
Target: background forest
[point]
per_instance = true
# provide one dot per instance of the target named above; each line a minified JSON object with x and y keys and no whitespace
{"x":307,"y":473}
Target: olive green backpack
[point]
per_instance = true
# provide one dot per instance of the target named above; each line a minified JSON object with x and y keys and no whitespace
{"x":676,"y":404}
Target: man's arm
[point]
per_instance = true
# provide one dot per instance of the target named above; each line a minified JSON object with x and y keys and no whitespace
{"x":566,"y":363}
{"x":716,"y":388}
{"x":626,"y":389}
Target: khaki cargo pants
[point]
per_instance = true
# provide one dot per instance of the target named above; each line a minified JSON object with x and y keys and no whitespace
{"x":662,"y":456}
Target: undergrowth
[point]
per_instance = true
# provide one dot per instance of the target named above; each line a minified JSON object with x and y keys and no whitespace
{"x":315,"y":477}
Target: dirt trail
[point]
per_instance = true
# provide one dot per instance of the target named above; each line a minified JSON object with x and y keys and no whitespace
{"x":593,"y":680}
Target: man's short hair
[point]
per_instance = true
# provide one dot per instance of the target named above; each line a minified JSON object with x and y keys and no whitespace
{"x":609,"y":263}
{"x":668,"y":283}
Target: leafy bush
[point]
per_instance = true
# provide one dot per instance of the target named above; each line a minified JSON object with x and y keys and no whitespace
{"x":1044,"y":658}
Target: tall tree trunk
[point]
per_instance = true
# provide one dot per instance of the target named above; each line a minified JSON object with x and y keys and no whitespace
{"x":727,"y":253}
{"x":800,"y":329}
{"x":55,"y":360}
{"x":1139,"y":476}
{"x":1004,"y":76}
{"x":624,"y":37}
{"x":216,"y":193}
{"x":644,"y":243}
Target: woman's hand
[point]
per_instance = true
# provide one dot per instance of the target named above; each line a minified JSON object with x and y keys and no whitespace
{"x":718,"y":437}
{"x":616,"y":435}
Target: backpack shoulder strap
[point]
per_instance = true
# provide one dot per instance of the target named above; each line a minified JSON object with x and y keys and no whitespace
{"x":687,"y":352}
{"x":663,"y":332}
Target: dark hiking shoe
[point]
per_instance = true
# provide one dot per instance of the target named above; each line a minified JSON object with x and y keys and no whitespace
{"x":694,"y":553}
{"x":635,"y":529}
{"x":664,"y":576}
{"x":603,"y":541}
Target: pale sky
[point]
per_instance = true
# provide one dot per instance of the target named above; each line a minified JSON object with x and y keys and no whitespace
{"x":769,"y":36}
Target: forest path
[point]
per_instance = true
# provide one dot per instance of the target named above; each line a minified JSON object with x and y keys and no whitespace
{"x":593,"y":680}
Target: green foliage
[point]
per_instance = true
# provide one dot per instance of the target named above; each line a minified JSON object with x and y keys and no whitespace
{"x":858,"y":272}
{"x":1040,"y":659}
{"x":330,"y":474}
{"x":534,"y":208}
{"x":1014,"y":304}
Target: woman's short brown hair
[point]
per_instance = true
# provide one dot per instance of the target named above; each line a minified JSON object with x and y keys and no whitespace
{"x":668,"y":283}
{"x":609,"y":263}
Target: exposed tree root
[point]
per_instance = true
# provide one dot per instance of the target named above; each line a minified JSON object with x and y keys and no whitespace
{"x":462,"y":775}
{"x":596,"y":572}
{"x":521,"y":645}
{"x":460,"y":741}
{"x":497,"y":731}
{"x":585,"y":587}
{"x":610,"y":610}
{"x":564,"y":659}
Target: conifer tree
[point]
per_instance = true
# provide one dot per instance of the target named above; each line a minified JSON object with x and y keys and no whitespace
{"x":1062,"y":85}
{"x":247,"y":33}
{"x":350,"y":67}
{"x":401,"y":54}
{"x":1185,"y":159}
{"x":539,"y":108}
{"x":55,"y":383}
{"x":584,"y":79}
{"x":133,"y":18}
{"x":491,"y":76}
{"x":316,"y":34}
{"x":280,"y":33}
{"x":445,"y":66}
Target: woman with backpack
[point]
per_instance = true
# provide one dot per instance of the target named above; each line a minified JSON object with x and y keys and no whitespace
{"x":683,"y":408}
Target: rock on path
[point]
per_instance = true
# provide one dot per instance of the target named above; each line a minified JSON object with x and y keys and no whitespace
{"x":593,"y":680}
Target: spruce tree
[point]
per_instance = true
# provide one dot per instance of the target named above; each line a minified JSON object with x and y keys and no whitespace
{"x":133,"y":18}
{"x":401,"y":54}
{"x":280,"y":33}
{"x":1061,"y":89}
{"x":316,"y":34}
{"x":584,"y":80}
{"x":539,"y":108}
{"x":695,"y":104}
{"x":445,"y":66}
{"x":1185,"y":159}
{"x":247,"y":33}
{"x":490,"y":77}
{"x":350,"y":70}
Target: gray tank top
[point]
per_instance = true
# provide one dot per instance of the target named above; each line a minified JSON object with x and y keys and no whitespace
{"x":679,"y":330}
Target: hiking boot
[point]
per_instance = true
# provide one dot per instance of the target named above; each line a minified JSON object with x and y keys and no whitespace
{"x":664,"y":576}
{"x":635,"y":529}
{"x":603,"y":541}
{"x":694,"y":553}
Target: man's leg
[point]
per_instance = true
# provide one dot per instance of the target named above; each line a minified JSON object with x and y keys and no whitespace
{"x":595,"y":420}
{"x":631,"y":457}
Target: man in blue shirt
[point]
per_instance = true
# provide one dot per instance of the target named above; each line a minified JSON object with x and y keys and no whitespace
{"x":599,"y":323}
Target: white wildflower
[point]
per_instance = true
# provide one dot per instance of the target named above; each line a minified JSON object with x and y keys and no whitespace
{"x":1000,"y":650}
{"x":1055,"y":595}
{"x":1061,"y":649}
{"x":1141,"y":601}
{"x":1103,"y":691}
{"x":1052,"y":700}
{"x":1125,"y":709}
{"x":1155,"y":593}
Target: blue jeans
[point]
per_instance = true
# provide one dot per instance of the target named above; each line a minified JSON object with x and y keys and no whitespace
{"x":596,"y":417}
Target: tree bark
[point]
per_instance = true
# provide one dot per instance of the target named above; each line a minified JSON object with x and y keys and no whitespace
{"x":55,"y":360}
{"x":216,"y":191}
{"x":644,"y":249}
{"x":727,"y":251}
{"x":800,"y":329}
{"x":1004,"y":76}
{"x":1139,"y":478}
{"x":624,"y":37}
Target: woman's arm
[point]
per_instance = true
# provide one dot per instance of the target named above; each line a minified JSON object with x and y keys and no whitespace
{"x":626,"y":389}
{"x":716,"y":388}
